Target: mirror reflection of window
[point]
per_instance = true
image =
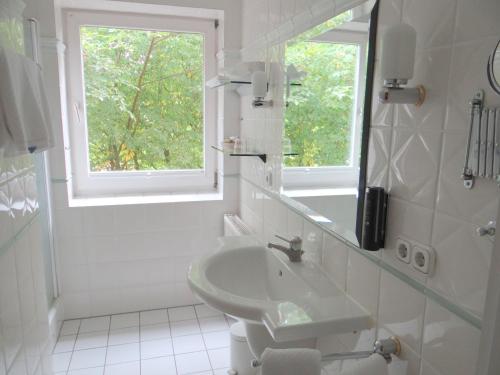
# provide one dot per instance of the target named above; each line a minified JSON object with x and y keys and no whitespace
{"x":319,"y":118}
{"x":323,"y":116}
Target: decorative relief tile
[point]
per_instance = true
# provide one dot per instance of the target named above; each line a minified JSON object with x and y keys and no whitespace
{"x":432,"y":71}
{"x":378,"y":156}
{"x":462,"y":265}
{"x":414,"y":166}
{"x":434,"y":29}
{"x":478,"y":205}
{"x":468,"y":73}
{"x":477,"y":19}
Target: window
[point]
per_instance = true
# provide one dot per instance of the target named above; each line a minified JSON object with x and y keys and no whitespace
{"x":141,"y":121}
{"x":323,"y":116}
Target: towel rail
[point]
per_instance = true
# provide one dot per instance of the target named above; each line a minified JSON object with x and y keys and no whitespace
{"x":482,"y":153}
{"x":386,"y":348}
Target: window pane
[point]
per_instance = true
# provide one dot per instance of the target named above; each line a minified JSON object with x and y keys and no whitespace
{"x":319,"y":116}
{"x":144,"y":99}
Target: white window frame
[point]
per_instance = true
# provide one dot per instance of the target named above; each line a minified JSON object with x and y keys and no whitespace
{"x":337,"y":176}
{"x":87,"y":184}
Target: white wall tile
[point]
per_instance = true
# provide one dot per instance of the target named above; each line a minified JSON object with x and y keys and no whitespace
{"x":414,"y":166}
{"x":363,"y":282}
{"x":462,"y":265}
{"x":432,"y":68}
{"x":312,"y":242}
{"x":476,"y":19}
{"x":450,"y":345}
{"x":379,"y":151}
{"x":467,"y":74}
{"x":335,"y":255}
{"x":434,"y":29}
{"x":404,"y":320}
{"x":477,"y":205}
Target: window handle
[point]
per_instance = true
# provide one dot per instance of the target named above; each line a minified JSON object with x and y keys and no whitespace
{"x":77,"y":111}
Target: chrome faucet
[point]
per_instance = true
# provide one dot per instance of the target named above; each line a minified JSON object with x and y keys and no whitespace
{"x":294,"y":252}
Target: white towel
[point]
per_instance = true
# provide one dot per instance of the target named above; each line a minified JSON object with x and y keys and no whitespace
{"x":25,"y":125}
{"x":374,"y":365}
{"x":291,"y":362}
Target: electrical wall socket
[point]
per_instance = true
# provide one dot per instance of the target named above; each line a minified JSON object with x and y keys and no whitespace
{"x":403,"y":250}
{"x":423,"y":259}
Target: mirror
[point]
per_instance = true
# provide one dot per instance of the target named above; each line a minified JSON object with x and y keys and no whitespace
{"x":494,"y":69}
{"x":327,"y":119}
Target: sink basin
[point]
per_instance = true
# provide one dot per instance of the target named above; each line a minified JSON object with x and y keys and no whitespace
{"x":294,"y":301}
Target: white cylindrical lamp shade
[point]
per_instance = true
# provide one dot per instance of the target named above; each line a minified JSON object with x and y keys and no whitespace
{"x":398,"y":53}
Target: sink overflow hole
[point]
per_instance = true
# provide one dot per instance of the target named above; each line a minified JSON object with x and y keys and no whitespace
{"x":280,"y":273}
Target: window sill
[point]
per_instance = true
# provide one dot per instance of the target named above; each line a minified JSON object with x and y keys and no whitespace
{"x":144,"y":199}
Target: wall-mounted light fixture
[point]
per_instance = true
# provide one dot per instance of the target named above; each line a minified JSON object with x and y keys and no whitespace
{"x":259,"y":88}
{"x":398,"y":59}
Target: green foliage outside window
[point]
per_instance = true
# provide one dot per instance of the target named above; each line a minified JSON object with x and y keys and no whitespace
{"x":144,"y":99}
{"x":319,"y":116}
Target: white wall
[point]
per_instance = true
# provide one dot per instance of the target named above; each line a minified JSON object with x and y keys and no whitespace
{"x":126,"y":258}
{"x":26,"y":332}
{"x":25,"y":337}
{"x":417,"y":155}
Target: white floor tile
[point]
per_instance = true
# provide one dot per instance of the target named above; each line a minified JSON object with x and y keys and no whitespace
{"x":213,"y":324}
{"x":70,"y":327}
{"x":65,"y":344}
{"x":124,"y":320}
{"x":95,"y":324}
{"x":192,"y":362}
{"x":131,"y":368}
{"x":60,"y":362}
{"x":181,"y":313}
{"x":156,"y":348}
{"x":154,"y":317}
{"x":188,"y":344}
{"x":87,"y":358}
{"x":155,"y":332}
{"x":159,"y":366}
{"x":91,"y":340}
{"x":123,"y":336}
{"x":123,"y":353}
{"x":219,"y":358}
{"x":88,"y":371}
{"x":185,"y":327}
{"x":216,"y":340}
{"x":203,"y":311}
{"x":144,"y":343}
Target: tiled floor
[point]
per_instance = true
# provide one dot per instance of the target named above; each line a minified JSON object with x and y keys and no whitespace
{"x":175,"y":341}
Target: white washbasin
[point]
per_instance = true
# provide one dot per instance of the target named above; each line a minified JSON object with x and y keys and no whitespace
{"x":294,"y":301}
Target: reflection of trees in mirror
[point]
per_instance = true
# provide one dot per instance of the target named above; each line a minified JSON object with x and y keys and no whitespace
{"x":319,"y":117}
{"x":11,"y":34}
{"x":331,"y":24}
{"x":144,"y":99}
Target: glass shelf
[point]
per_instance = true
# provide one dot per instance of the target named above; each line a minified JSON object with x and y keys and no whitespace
{"x":262,"y":157}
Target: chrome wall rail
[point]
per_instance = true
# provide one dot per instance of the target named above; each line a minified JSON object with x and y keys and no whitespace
{"x":482,"y":154}
{"x":386,"y":348}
